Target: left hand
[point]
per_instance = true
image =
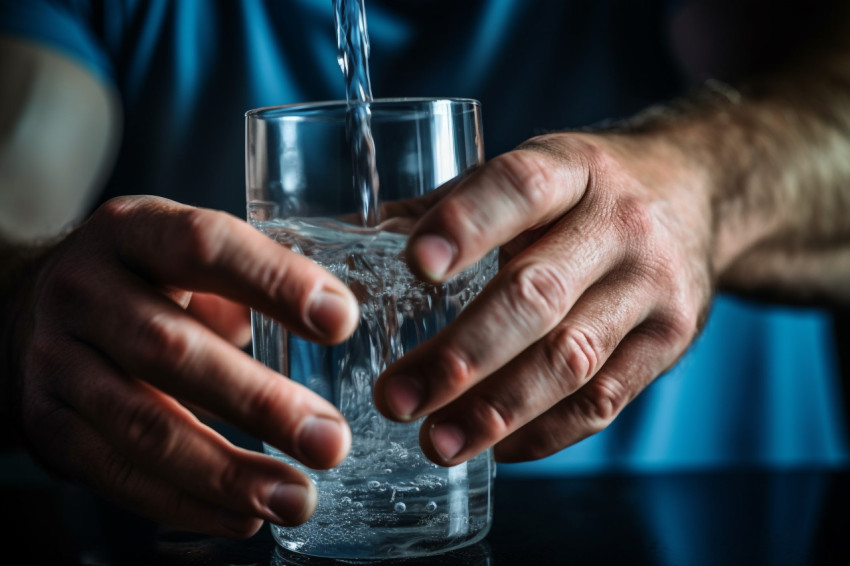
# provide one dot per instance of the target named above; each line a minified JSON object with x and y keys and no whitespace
{"x":606,"y":278}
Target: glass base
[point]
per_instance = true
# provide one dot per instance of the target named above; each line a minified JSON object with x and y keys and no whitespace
{"x":472,"y":552}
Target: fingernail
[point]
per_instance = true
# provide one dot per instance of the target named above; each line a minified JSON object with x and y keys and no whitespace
{"x":291,"y":503}
{"x":320,"y":440}
{"x":434,"y":254}
{"x":403,"y":395}
{"x":448,"y":440}
{"x":329,"y":312}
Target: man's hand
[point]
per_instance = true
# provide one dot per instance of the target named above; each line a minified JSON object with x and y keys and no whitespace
{"x":132,"y":324}
{"x":606,"y":279}
{"x":613,"y":243}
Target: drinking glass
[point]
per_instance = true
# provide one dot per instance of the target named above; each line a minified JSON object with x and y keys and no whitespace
{"x":386,"y":499}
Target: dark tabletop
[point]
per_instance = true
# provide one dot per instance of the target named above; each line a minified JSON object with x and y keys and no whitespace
{"x":719,"y":518}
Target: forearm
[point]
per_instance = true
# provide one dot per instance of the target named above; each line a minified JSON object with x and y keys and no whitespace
{"x":781,"y":196}
{"x":776,"y":153}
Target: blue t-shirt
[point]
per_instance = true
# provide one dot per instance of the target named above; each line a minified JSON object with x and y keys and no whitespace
{"x":758,"y":387}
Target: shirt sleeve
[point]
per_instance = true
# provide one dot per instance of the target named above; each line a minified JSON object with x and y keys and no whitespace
{"x":67,"y":26}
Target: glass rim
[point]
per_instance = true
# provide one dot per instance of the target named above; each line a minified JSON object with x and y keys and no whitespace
{"x":293,"y":109}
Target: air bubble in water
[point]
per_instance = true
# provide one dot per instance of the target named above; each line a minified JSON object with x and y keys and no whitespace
{"x":400,"y":507}
{"x":431,"y":507}
{"x":345,"y":501}
{"x":373,"y":485}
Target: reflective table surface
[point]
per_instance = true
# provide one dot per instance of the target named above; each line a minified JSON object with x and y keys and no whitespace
{"x":797,"y":517}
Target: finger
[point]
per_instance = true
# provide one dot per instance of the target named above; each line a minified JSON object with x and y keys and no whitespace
{"x":230,"y":320}
{"x":145,"y":449}
{"x":510,"y":194}
{"x":206,"y":250}
{"x":149,"y":337}
{"x":110,"y":473}
{"x":526,"y":300}
{"x":553,"y":368}
{"x":641,"y":357}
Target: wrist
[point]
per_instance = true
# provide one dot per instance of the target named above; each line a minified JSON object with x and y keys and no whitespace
{"x":729,"y":150}
{"x":773,"y":164}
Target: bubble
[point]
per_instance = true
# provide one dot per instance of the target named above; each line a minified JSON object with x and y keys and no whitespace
{"x":380,"y":447}
{"x":429,"y":481}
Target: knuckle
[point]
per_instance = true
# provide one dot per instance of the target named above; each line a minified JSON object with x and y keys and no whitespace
{"x":678,"y":324}
{"x":679,"y":312}
{"x":635,"y":220}
{"x":268,"y":405}
{"x":158,"y":338}
{"x":283,"y":282}
{"x":684,"y":319}
{"x":492,"y":415}
{"x":462,"y":217}
{"x":149,"y":430}
{"x":602,"y":400}
{"x":538,"y":292}
{"x":572,"y":356}
{"x":456,"y":370}
{"x":529,"y":173}
{"x":198,"y":237}
{"x":232,"y":478}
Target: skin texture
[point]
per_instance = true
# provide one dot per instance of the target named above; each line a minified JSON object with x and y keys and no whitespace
{"x":121,"y":337}
{"x":133,"y":321}
{"x":598,"y":294}
{"x":613,"y":243}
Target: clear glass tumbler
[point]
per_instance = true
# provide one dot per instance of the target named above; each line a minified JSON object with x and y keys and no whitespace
{"x":386,"y":499}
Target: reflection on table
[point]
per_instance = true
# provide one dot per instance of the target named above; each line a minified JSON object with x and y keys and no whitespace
{"x":718,"y":518}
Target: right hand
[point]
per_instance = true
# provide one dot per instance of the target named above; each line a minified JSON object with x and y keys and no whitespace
{"x":132,"y":324}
